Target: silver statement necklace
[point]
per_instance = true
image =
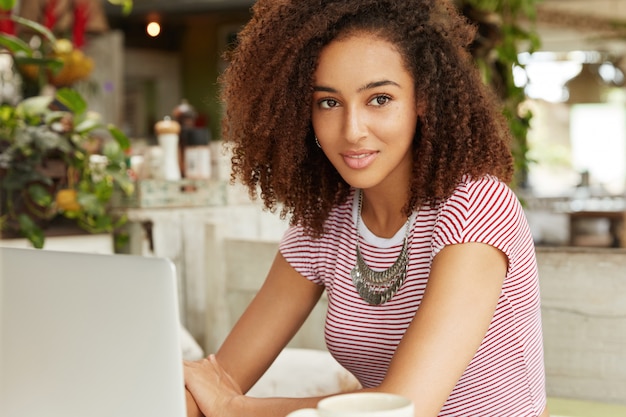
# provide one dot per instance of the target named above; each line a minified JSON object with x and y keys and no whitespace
{"x":377,"y":287}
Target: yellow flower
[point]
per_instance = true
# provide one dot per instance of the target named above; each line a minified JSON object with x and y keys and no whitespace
{"x":66,"y":200}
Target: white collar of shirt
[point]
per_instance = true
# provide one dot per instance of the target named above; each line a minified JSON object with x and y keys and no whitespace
{"x":370,"y":237}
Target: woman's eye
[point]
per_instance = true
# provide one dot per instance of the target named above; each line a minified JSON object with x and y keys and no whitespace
{"x":380,"y":100}
{"x":328,"y":103}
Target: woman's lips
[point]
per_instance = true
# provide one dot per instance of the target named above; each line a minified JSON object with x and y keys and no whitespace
{"x":359,"y":160}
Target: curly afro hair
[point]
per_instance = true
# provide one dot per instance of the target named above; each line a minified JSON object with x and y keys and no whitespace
{"x":267,"y":92}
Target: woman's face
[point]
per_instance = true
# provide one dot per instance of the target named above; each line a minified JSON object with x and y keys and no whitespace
{"x":364,"y":111}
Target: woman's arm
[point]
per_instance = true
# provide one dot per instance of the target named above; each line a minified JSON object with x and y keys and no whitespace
{"x":273,"y":317}
{"x":449,"y":326}
{"x":271,"y":320}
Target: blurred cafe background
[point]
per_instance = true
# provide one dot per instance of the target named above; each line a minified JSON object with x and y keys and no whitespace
{"x":156,"y":58}
{"x":574,"y":83}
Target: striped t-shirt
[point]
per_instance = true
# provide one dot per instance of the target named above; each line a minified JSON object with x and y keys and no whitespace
{"x":506,"y":376}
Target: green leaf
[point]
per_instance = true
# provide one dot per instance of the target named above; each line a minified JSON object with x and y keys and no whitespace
{"x":53,"y":64}
{"x":104,"y":224}
{"x":90,"y":203}
{"x":119,"y":136}
{"x":121,"y":240}
{"x":7,"y":114}
{"x":535,"y":42}
{"x":31,"y":231}
{"x":113,"y":151}
{"x":15,"y":44}
{"x":127,"y":5}
{"x":72,"y":99}
{"x":40,"y":195}
{"x":71,"y":214}
{"x":104,"y":189}
{"x":7,"y":4}
{"x":36,"y":27}
{"x":123,"y":182}
{"x":87,"y":125}
{"x":54,"y":116}
{"x":34,"y":106}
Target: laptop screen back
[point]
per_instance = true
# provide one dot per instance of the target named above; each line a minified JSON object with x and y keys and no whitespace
{"x":88,"y":335}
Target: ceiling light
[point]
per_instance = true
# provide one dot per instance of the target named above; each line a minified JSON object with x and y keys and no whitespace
{"x":153,"y":29}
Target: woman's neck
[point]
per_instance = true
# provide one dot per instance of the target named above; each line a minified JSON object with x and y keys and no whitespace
{"x":382,"y":211}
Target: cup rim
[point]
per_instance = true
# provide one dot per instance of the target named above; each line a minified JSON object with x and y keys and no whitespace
{"x":402,"y":403}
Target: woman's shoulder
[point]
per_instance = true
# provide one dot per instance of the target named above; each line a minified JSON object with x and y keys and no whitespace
{"x":482,"y":210}
{"x":480,"y":199}
{"x":484,"y":189}
{"x":471,"y":183}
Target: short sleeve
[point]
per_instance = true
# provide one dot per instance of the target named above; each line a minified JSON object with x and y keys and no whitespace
{"x":300,"y":251}
{"x":484,"y":211}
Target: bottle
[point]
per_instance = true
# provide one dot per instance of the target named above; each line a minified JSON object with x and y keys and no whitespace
{"x":197,"y":154}
{"x":168,"y":131}
{"x":185,"y":114}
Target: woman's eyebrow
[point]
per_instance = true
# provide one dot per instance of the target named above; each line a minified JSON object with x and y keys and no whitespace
{"x":324,"y":89}
{"x":368,"y":86}
{"x":375,"y":84}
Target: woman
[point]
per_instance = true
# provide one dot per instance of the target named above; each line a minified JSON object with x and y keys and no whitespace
{"x":366,"y":121}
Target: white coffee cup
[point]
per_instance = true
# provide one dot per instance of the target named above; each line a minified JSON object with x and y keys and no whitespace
{"x":360,"y":404}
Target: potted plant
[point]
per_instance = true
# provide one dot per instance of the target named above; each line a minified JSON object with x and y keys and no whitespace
{"x":57,"y":159}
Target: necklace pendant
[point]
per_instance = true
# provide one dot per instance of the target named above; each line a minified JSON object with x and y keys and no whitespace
{"x":373,"y":293}
{"x":377,"y":287}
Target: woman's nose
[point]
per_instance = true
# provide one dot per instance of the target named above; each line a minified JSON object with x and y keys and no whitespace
{"x":355,"y":126}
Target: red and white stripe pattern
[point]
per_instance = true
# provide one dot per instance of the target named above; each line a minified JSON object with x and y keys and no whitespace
{"x":506,"y":375}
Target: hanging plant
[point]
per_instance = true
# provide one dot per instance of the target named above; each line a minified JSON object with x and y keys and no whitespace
{"x":56,"y":58}
{"x":505,"y":27}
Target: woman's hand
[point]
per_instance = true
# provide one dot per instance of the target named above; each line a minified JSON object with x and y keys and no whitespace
{"x":192,"y":407}
{"x":212,"y":388}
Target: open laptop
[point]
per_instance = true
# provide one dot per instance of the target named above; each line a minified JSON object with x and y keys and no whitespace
{"x":88,"y":335}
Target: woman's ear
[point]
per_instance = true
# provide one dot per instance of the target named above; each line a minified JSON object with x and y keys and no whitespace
{"x":420,"y":108}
